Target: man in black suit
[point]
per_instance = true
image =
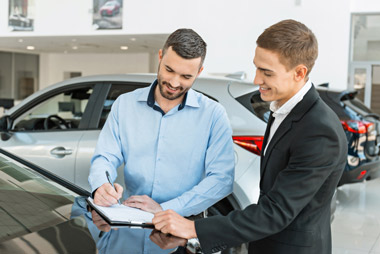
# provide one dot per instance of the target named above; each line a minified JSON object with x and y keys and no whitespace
{"x":303,"y":157}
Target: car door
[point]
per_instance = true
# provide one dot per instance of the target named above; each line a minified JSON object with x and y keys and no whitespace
{"x":47,"y":131}
{"x":89,"y":139}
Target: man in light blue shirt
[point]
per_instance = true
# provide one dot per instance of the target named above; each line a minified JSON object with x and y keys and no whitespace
{"x":175,"y":143}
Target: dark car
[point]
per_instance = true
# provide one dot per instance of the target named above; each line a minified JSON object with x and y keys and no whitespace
{"x":36,"y":211}
{"x":362,"y":128}
{"x":361,"y":125}
{"x":42,"y":213}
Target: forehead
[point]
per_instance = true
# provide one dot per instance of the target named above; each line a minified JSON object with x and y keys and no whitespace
{"x":265,"y":58}
{"x":180,"y":64}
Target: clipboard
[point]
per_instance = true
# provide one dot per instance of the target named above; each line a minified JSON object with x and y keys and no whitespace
{"x":118,"y":216}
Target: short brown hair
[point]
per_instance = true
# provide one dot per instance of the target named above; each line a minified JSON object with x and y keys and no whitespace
{"x":293,"y":41}
{"x":187,"y":44}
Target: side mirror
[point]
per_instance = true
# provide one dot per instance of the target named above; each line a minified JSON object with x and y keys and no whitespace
{"x":5,"y":123}
{"x":5,"y":126}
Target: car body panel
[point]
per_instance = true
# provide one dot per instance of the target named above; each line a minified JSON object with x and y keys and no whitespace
{"x":41,"y":147}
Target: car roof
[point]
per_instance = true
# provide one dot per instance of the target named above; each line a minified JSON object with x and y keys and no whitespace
{"x":136,"y":77}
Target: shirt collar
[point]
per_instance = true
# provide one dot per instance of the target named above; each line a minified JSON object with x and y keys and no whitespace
{"x":291,"y":103}
{"x":190,"y":98}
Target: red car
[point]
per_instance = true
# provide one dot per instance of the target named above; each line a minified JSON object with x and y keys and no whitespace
{"x":110,"y":8}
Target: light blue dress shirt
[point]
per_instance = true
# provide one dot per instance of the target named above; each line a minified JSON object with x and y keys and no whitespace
{"x":184,"y":159}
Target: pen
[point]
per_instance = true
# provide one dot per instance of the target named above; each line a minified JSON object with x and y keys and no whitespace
{"x":109,"y":180}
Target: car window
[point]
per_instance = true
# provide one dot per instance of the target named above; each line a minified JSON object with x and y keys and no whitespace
{"x":114,"y":92}
{"x":29,"y":202}
{"x":253,"y":102}
{"x":61,"y":111}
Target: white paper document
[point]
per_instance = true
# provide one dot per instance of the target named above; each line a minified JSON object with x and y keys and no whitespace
{"x":123,"y":214}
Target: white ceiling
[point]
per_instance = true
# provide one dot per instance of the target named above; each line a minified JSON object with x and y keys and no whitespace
{"x":84,"y":44}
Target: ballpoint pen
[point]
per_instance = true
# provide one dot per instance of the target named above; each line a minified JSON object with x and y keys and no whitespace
{"x":109,"y":180}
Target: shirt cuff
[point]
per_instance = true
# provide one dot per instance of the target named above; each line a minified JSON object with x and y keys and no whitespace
{"x":174,"y":205}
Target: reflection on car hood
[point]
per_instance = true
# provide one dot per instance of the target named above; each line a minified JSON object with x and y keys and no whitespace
{"x":69,"y":237}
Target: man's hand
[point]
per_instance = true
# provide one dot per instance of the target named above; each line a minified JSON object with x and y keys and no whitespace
{"x":165,"y":241}
{"x":101,"y":224}
{"x":170,"y":222}
{"x":144,"y":203}
{"x":106,"y":195}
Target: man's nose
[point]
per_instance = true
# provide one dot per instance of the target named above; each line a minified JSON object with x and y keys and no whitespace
{"x":258,"y":80}
{"x":175,"y":81}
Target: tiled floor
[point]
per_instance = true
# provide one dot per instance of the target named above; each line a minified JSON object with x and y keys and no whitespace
{"x":356,"y":227}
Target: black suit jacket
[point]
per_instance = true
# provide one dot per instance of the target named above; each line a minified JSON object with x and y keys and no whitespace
{"x":299,"y":173}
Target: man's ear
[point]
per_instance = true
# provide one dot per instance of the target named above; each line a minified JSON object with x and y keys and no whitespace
{"x":300,"y":72}
{"x":160,"y":55}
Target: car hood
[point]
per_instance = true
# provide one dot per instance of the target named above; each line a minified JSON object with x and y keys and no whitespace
{"x":69,"y":237}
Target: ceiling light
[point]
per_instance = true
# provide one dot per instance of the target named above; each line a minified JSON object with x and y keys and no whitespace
{"x":30,"y":48}
{"x":133,"y":39}
{"x":20,"y":40}
{"x":123,"y":47}
{"x":75,"y":47}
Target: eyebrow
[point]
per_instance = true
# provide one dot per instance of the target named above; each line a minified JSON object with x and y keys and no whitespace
{"x":263,"y":69}
{"x":260,"y":68}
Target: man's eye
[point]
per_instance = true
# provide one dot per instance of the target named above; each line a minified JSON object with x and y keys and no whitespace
{"x":169,"y":70}
{"x":186,"y":77}
{"x":267,"y":74}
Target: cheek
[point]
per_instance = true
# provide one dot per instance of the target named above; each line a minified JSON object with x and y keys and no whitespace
{"x":187,"y":83}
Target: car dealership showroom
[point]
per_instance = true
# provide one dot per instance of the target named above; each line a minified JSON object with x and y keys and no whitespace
{"x":74,"y":73}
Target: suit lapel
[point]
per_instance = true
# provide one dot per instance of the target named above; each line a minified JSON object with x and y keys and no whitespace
{"x":284,"y":127}
{"x":265,"y":141}
{"x":295,"y":115}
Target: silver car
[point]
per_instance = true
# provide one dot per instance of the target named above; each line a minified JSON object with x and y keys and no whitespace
{"x":58,"y":127}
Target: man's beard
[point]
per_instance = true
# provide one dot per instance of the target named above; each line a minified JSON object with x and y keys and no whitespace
{"x":167,"y":95}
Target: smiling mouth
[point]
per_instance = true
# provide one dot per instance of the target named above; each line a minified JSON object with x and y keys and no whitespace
{"x":264,"y":88}
{"x":170,"y":88}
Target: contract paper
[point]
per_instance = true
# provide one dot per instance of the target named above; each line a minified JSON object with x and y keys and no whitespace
{"x":120,"y":213}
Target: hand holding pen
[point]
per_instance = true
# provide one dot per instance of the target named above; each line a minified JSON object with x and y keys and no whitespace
{"x":108,"y":194}
{"x":109,"y":180}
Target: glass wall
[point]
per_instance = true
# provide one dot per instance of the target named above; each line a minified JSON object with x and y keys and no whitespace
{"x":365,"y":58}
{"x":366,"y":37}
{"x":5,"y":75}
{"x":18,"y":75}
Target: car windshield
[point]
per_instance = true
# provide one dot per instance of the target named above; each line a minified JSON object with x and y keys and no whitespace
{"x":29,"y":202}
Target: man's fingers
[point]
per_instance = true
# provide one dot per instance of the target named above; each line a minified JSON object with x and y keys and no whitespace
{"x":119,"y":190}
{"x":100,"y":199}
{"x":135,"y":205}
{"x":139,"y":199}
{"x":106,"y":195}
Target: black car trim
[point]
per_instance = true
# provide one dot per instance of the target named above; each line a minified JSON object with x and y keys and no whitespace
{"x":51,"y":176}
{"x":96,"y":114}
{"x":94,"y":105}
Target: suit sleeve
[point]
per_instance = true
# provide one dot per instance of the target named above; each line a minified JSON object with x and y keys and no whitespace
{"x":306,"y":172}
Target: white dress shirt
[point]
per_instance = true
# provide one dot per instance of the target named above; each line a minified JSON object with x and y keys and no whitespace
{"x":280,"y":113}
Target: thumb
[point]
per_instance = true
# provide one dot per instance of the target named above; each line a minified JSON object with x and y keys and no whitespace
{"x":119,"y":189}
